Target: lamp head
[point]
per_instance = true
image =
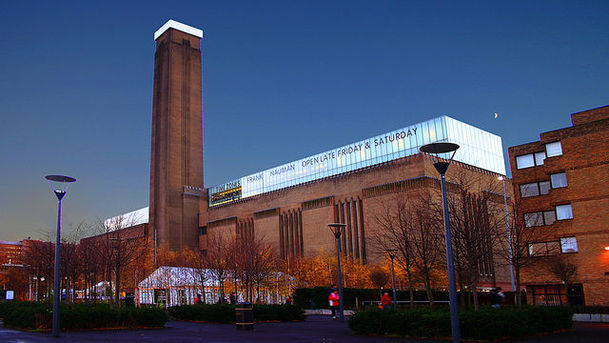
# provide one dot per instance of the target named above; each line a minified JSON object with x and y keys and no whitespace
{"x":336,"y":228}
{"x":435,"y":149}
{"x":59,"y":184}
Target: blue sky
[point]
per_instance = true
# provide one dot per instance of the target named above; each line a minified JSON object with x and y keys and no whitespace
{"x":281,"y":80}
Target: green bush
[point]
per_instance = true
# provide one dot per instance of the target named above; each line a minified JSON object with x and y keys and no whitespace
{"x":485,"y":324}
{"x":27,"y":315}
{"x":317,"y":297}
{"x":224,"y":313}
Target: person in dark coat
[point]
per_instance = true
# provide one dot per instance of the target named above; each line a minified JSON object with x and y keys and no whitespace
{"x":497,"y":297}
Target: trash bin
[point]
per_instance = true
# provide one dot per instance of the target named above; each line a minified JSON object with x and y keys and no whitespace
{"x":244,"y":316}
{"x":129,"y":300}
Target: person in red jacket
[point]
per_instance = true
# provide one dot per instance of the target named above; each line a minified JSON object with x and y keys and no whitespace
{"x":386,"y":301}
{"x":334,"y":300}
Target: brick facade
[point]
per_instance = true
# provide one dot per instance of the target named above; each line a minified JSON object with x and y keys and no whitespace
{"x":295,"y":220}
{"x":585,"y":163}
{"x":176,"y":169}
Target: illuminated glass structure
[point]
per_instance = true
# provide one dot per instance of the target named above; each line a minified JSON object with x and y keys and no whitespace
{"x":477,"y":148}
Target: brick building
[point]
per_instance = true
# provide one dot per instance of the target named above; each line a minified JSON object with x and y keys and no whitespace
{"x":291,"y":205}
{"x":11,"y":253}
{"x":560,"y":186}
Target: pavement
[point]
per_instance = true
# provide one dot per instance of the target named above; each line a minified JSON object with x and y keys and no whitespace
{"x":314,"y":329}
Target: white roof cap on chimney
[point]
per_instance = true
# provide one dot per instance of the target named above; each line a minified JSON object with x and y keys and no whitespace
{"x":172,"y":24}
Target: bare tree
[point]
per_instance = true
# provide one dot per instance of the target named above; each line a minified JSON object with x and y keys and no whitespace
{"x":562,"y":268}
{"x":40,"y":259}
{"x":118,"y":245}
{"x":474,"y":215}
{"x":523,"y":236}
{"x":394,"y":226}
{"x":217,"y":258}
{"x":265,"y":263}
{"x":196,"y":260}
{"x":379,"y":278}
{"x":410,"y":224}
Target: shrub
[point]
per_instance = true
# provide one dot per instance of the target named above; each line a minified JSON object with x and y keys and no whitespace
{"x":223,"y":313}
{"x":485,"y":324}
{"x":80,"y":316}
{"x":26,"y":315}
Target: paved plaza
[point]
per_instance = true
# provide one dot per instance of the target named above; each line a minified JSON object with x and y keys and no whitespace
{"x":314,"y":329}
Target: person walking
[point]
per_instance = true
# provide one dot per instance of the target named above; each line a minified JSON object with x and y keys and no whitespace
{"x":386,"y":301}
{"x":198,"y":299}
{"x":497,"y":297}
{"x":334,"y":301}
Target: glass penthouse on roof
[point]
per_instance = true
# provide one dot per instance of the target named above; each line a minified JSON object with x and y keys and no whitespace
{"x":477,"y":148}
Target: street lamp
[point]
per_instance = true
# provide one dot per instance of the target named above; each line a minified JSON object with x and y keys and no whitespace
{"x":392,"y":253}
{"x":434,"y":149}
{"x":509,"y":236}
{"x":59,"y":185}
{"x":336,"y":229}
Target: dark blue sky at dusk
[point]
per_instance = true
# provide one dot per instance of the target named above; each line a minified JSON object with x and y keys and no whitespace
{"x":282,"y":80}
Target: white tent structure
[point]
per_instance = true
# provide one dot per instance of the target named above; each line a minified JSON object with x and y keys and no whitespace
{"x":173,"y":286}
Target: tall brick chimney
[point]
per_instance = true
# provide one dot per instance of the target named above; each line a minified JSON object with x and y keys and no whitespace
{"x":176,"y":166}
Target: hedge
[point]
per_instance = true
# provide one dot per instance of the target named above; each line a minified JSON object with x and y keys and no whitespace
{"x":317,"y":297}
{"x":32,"y":315}
{"x":485,"y":324}
{"x":224,"y":313}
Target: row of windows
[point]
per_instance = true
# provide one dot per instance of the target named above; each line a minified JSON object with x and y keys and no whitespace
{"x":536,"y":159}
{"x":558,"y":180}
{"x":560,"y":212}
{"x":565,"y":245}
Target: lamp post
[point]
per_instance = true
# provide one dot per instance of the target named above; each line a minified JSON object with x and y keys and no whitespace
{"x":434,"y":149}
{"x":336,"y":229}
{"x":59,"y":185}
{"x":509,"y":236}
{"x":391,"y":253}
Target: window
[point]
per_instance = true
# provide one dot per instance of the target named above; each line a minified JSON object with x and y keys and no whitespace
{"x":539,"y":218}
{"x":525,"y":161}
{"x":550,"y":295}
{"x":544,"y":248}
{"x":534,"y":189}
{"x":553,"y":149}
{"x":564,"y":212}
{"x":559,"y":180}
{"x":530,"y":160}
{"x":549,"y":217}
{"x":529,"y":190}
{"x":544,"y":187}
{"x":568,"y":245}
{"x":539,"y":157}
{"x":203,"y":230}
{"x":533,"y":219}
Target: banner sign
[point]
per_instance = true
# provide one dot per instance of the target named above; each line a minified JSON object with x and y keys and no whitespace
{"x":382,"y":148}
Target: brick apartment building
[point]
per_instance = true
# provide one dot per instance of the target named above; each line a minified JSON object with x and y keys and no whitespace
{"x":560,"y":187}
